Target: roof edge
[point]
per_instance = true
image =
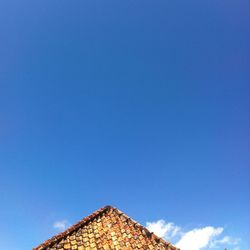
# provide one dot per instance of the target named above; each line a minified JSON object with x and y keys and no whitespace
{"x":143,"y":228}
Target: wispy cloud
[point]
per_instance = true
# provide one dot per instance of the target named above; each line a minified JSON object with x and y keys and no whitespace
{"x":61,"y":225}
{"x":225,"y":240}
{"x":208,"y":237}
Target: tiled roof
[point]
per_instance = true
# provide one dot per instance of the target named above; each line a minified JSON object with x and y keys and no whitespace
{"x":106,"y":229}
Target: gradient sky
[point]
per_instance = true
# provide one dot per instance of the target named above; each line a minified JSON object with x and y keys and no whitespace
{"x":143,"y":105}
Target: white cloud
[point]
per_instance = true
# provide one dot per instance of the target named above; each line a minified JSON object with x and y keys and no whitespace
{"x":202,"y":238}
{"x":61,"y":225}
{"x":198,"y":238}
{"x":163,"y":229}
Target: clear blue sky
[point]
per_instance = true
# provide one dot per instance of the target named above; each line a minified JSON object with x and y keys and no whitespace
{"x":143,"y":105}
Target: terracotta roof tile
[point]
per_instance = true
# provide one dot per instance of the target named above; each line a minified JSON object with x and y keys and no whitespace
{"x":106,"y":229}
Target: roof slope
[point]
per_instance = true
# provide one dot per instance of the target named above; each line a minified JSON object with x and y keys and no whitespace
{"x":106,"y":229}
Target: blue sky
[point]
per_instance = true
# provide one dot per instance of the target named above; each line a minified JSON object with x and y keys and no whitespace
{"x":143,"y":105}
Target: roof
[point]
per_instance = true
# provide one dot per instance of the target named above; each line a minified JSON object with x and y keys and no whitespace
{"x":106,"y":229}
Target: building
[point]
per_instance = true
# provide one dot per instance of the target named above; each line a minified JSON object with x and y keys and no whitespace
{"x":106,"y":229}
